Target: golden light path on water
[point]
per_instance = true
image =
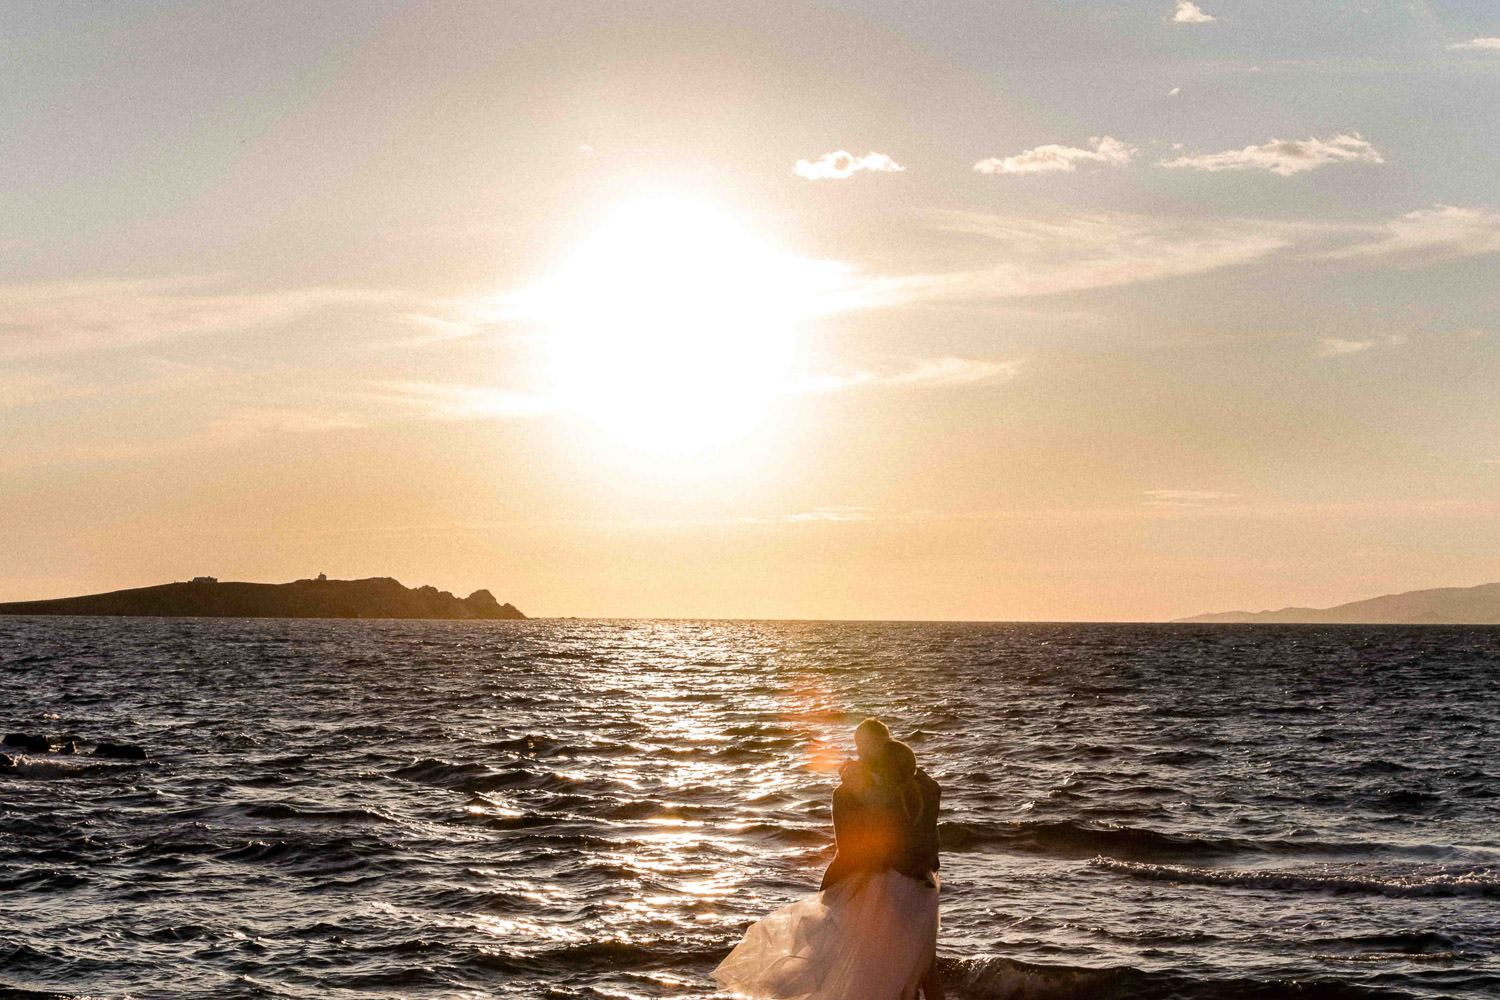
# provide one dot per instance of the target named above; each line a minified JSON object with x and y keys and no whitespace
{"x":666,"y":843}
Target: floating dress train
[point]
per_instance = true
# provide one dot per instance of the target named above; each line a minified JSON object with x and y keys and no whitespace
{"x":870,"y":937}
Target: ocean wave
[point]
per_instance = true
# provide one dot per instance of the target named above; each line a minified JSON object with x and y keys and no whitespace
{"x":1410,"y":943}
{"x":444,"y":773}
{"x":176,"y":933}
{"x":26,"y":766}
{"x":1483,"y":882}
{"x":736,"y":752}
{"x":1082,"y":839}
{"x":1069,"y":838}
{"x":480,"y":779}
{"x":1073,"y":838}
{"x":530,"y":745}
{"x":314,"y":857}
{"x":593,"y":956}
{"x":382,"y":982}
{"x":458,"y":900}
{"x":41,"y":880}
{"x":1442,"y":957}
{"x":798,"y":836}
{"x":1378,"y":766}
{"x":58,"y":962}
{"x":1180,"y":758}
{"x":1008,"y":979}
{"x":281,"y":810}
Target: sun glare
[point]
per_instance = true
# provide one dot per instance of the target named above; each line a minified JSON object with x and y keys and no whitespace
{"x":673,"y":327}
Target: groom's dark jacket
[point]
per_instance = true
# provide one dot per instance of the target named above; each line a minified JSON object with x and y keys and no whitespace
{"x":924,"y":853}
{"x":861,"y":848}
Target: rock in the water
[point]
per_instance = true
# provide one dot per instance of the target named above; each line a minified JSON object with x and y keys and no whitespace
{"x":7,"y":762}
{"x":28,"y":742}
{"x":120,"y":751}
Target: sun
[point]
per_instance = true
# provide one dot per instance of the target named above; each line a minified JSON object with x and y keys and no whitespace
{"x":673,"y":327}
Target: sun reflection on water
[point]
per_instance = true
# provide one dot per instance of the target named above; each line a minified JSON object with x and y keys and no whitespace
{"x":702,"y":787}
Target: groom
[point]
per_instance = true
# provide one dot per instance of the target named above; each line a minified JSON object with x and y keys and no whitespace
{"x":921,"y":859}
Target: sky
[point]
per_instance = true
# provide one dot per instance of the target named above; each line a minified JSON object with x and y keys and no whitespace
{"x":1068,"y":310}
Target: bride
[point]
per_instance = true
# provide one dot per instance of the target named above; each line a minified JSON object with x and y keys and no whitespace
{"x":871,"y":933}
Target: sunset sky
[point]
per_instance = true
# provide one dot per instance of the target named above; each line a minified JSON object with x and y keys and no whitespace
{"x":1073,"y":310}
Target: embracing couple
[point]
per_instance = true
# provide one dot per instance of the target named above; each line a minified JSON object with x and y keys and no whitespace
{"x":871,"y":931}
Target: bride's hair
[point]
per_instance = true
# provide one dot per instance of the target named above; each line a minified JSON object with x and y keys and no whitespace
{"x":897,"y":767}
{"x":873,"y":729}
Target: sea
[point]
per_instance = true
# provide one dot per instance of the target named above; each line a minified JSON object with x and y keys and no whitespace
{"x":597,"y":809}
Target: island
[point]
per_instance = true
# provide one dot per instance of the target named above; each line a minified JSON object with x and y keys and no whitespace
{"x":1440,"y":606}
{"x":206,"y":597}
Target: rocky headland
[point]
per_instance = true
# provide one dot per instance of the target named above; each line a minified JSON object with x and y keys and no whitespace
{"x":1440,"y":606}
{"x":377,"y":597}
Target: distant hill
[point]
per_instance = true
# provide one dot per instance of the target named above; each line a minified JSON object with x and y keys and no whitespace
{"x":1443,"y":606}
{"x":377,"y":597}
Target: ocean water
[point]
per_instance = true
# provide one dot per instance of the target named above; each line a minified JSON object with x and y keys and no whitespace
{"x":598,"y":808}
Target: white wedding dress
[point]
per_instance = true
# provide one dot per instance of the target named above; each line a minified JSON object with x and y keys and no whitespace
{"x":869,"y":937}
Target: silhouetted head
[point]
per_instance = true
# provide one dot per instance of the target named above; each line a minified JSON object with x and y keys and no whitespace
{"x":869,"y":737}
{"x":896,"y":762}
{"x":857,"y":778}
{"x":896,"y":767}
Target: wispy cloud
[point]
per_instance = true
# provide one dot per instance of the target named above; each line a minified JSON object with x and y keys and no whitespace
{"x":257,"y":420}
{"x":136,"y":377}
{"x":839,"y":165}
{"x":1488,"y":44}
{"x":1332,"y":347}
{"x":929,"y":373}
{"x":1187,"y":497}
{"x":449,"y":401}
{"x":26,"y":388}
{"x":1190,"y":13}
{"x":236,"y":422}
{"x":817,"y":514}
{"x":1055,"y":158}
{"x":437,"y":329}
{"x":1284,"y":157}
{"x":1442,"y":232}
{"x":105,"y":315}
{"x":1044,"y":256}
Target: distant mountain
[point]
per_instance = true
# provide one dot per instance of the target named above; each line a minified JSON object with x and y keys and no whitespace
{"x":1443,"y":606}
{"x":377,"y":597}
